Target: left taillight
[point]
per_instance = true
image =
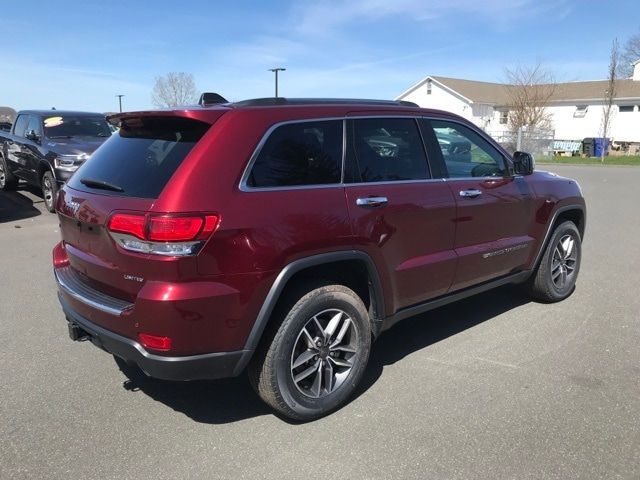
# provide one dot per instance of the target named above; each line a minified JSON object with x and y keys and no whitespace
{"x":169,"y":235}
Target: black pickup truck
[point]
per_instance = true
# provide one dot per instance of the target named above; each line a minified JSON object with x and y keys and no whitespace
{"x":45,"y":147}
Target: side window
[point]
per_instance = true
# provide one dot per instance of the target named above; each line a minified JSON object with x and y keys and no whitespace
{"x":35,"y":124}
{"x":305,"y":153}
{"x":466,"y":153}
{"x":386,"y":149}
{"x":21,"y":125}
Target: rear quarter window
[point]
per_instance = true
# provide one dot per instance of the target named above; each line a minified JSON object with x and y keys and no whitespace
{"x":301,"y":153}
{"x":141,"y":157}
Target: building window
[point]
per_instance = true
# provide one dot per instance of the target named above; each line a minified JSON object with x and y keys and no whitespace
{"x":626,"y":108}
{"x":581,"y":111}
{"x":429,"y":87}
{"x":504,"y":117}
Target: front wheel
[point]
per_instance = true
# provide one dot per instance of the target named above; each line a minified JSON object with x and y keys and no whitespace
{"x":49,"y":191}
{"x":311,"y":364}
{"x":556,"y":275}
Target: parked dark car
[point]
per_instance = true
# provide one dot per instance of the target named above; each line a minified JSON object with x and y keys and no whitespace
{"x":45,"y":147}
{"x":283,"y":236}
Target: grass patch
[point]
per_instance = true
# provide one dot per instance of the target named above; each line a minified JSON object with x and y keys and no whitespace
{"x":626,"y":160}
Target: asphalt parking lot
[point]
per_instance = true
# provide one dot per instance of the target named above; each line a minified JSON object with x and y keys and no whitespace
{"x":494,"y":387}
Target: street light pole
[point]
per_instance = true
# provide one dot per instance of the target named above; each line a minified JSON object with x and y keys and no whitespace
{"x":120,"y":101}
{"x":276,"y":70}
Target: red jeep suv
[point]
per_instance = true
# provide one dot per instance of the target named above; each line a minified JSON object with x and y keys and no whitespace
{"x":282,"y":236}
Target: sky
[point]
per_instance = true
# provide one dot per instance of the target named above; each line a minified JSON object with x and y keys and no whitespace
{"x":81,"y":54}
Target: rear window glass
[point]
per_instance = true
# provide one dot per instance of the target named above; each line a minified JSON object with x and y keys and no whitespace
{"x":140,"y":158}
{"x":305,"y":153}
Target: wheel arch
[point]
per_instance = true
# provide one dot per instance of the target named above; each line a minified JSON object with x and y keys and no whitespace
{"x":575,"y":213}
{"x":318,"y":266}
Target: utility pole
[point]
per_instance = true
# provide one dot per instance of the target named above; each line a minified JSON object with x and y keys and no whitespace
{"x":120,"y":101}
{"x":276,"y":70}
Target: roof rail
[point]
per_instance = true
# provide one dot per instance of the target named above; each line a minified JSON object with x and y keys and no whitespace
{"x":274,"y":101}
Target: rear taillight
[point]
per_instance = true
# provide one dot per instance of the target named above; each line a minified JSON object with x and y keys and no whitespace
{"x":169,"y":235}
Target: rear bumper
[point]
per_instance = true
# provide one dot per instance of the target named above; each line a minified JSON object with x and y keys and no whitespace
{"x":195,"y":367}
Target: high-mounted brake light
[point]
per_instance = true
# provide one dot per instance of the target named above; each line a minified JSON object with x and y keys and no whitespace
{"x":169,"y":235}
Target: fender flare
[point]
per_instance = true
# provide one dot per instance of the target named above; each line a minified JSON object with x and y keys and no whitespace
{"x":549,"y":231}
{"x":276,"y":290}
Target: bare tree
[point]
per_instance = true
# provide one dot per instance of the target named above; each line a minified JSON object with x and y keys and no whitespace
{"x":630,"y":53}
{"x":529,"y":90}
{"x":609,"y":95}
{"x":174,"y":88}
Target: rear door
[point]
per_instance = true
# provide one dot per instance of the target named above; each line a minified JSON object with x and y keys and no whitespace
{"x":399,"y":214}
{"x":494,"y":208}
{"x":29,"y":148}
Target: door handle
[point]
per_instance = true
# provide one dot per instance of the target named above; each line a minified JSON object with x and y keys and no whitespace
{"x":471,"y":193}
{"x":372,"y":201}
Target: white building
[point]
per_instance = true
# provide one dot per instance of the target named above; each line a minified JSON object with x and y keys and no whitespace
{"x":576,"y":107}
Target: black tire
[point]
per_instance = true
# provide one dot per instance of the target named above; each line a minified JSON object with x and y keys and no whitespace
{"x":49,"y":191}
{"x":546,"y":284}
{"x":8,"y":180}
{"x":271,"y":371}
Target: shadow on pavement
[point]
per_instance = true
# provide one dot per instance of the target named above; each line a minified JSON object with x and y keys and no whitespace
{"x":233,"y":399}
{"x":17,"y":206}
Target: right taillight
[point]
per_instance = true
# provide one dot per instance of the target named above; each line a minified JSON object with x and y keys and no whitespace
{"x":169,"y":235}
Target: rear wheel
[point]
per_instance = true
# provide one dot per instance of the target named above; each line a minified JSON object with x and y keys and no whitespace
{"x":312,"y":362}
{"x":49,"y":191}
{"x":8,"y":181}
{"x":555,"y":278}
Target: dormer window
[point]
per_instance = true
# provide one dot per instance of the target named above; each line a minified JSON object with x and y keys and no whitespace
{"x":581,"y":111}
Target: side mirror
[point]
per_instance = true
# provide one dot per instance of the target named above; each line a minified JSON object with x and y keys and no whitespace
{"x":523,"y":163}
{"x":32,"y":135}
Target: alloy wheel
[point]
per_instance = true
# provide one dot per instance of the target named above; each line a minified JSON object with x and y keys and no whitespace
{"x":324,"y":353}
{"x":3,"y":175}
{"x":563,"y":262}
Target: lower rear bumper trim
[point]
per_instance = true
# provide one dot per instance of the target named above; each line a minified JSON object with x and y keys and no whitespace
{"x":207,"y":366}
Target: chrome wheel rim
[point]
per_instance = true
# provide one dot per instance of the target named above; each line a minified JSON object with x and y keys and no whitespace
{"x":563,"y":263}
{"x":324,"y":353}
{"x":47,"y":191}
{"x":3,"y":175}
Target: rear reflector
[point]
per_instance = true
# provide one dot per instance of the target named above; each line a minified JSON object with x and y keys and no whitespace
{"x":60,"y":258}
{"x":155,"y":342}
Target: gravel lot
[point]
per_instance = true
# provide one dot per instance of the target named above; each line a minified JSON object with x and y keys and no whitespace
{"x":495,"y":387}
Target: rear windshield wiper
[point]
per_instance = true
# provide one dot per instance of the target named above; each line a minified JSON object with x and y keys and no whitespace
{"x":90,"y":182}
{"x":62,"y":136}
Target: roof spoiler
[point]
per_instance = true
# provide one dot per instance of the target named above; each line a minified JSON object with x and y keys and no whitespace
{"x":211,"y":98}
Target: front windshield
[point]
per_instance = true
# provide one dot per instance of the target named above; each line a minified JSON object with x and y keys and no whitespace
{"x":59,"y":126}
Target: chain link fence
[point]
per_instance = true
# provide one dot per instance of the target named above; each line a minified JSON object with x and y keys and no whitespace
{"x":536,"y":141}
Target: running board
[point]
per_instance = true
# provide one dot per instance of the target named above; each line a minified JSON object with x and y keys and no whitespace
{"x":453,"y":297}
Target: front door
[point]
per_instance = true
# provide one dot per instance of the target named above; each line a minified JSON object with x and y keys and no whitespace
{"x":399,"y":214}
{"x":494,"y":208}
